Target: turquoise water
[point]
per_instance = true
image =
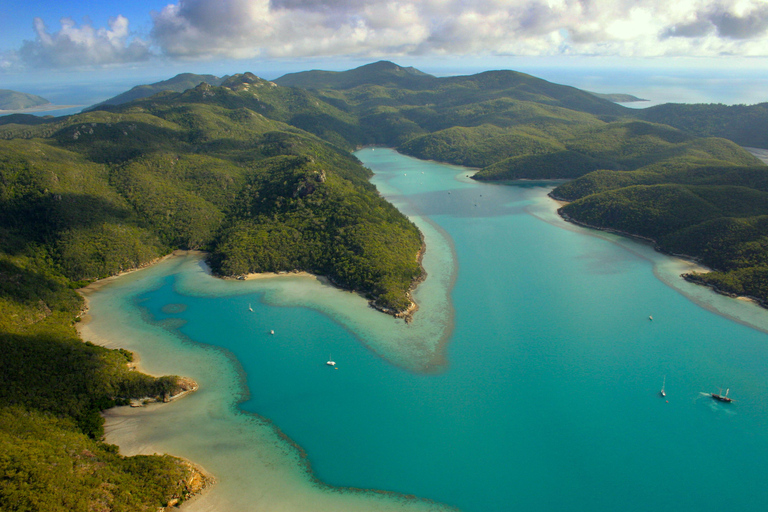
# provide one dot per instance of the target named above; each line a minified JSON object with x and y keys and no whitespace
{"x":549,"y":397}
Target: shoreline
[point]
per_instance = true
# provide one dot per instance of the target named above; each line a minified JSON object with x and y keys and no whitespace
{"x":693,"y":278}
{"x":703,"y":295}
{"x":135,"y":431}
{"x":199,"y":480}
{"x":86,"y":291}
{"x":209,"y":502}
{"x":695,"y":265}
{"x":37,"y":108}
{"x":406,"y":314}
{"x":123,"y":424}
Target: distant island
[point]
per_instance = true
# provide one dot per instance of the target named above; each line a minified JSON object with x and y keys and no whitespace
{"x":617,"y":97}
{"x":14,"y":100}
{"x":260,"y":175}
{"x":178,"y":83}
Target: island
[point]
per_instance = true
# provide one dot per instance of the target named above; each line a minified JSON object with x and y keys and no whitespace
{"x":14,"y":100}
{"x":260,"y":176}
{"x":618,"y":97}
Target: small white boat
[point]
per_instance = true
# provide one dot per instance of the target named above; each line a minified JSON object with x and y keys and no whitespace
{"x":250,"y":308}
{"x":663,"y":384}
{"x":271,"y":332}
{"x":330,"y":361}
{"x":650,"y":318}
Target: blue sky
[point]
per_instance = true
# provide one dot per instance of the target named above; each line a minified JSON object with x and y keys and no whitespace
{"x":143,"y":40}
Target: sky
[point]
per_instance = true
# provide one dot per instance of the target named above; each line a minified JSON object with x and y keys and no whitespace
{"x":106,"y":41}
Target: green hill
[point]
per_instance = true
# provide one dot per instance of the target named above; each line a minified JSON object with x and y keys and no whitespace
{"x":382,"y":73}
{"x":746,"y":125}
{"x":14,"y":100}
{"x":89,"y":195}
{"x":447,"y":119}
{"x":260,"y":175}
{"x":617,"y":97}
{"x":478,"y":146}
{"x":179,"y":83}
{"x":181,"y":170}
{"x":618,"y":146}
{"x":52,"y":388}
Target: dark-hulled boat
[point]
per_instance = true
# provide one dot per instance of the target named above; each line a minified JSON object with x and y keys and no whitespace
{"x":722,"y":398}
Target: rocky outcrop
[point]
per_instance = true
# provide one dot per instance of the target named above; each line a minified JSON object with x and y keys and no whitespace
{"x":195,"y":481}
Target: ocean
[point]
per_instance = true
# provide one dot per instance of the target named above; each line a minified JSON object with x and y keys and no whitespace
{"x":529,"y":379}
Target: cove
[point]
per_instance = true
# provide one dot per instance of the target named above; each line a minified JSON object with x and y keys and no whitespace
{"x":531,"y":383}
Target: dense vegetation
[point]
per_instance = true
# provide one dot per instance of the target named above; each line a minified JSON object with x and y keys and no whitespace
{"x":205,"y":169}
{"x":746,"y":125}
{"x":179,"y":83}
{"x":52,"y":389}
{"x":260,"y":175}
{"x":666,"y":172}
{"x":89,"y":195}
{"x":14,"y":100}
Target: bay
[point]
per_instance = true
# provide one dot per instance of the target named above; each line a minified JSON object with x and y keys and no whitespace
{"x":529,"y":379}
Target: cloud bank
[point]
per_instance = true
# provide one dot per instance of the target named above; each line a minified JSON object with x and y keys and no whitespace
{"x":75,"y":45}
{"x":236,"y":29}
{"x":314,"y":28}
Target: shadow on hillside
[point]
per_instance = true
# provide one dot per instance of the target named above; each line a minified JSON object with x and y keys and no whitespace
{"x":38,"y":218}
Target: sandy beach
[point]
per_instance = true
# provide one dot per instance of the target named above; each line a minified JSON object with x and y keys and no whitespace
{"x":39,"y":108}
{"x":667,"y":268}
{"x":193,"y":427}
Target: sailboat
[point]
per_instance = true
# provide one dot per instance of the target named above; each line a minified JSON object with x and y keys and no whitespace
{"x":663,"y":384}
{"x":330,"y":362}
{"x":722,"y":398}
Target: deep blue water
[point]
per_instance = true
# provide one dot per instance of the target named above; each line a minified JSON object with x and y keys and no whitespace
{"x":550,"y":399}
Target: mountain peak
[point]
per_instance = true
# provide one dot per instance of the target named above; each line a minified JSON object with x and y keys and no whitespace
{"x":244,"y":81}
{"x":383,"y":73}
{"x":387,"y":66}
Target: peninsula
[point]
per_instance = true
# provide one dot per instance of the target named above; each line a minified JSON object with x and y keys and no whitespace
{"x":259,"y":174}
{"x":15,"y":100}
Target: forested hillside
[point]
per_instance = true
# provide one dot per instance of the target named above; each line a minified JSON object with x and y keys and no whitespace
{"x":746,"y":125}
{"x":52,"y":389}
{"x":179,"y":83}
{"x":260,"y":175}
{"x":671,"y":172}
{"x":86,"y":196}
{"x":214,"y":168}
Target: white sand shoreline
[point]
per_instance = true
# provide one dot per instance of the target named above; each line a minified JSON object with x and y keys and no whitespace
{"x":168,"y":427}
{"x":668,"y":268}
{"x":38,"y":108}
{"x":195,"y":428}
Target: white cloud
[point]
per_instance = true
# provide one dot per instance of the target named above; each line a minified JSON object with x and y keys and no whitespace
{"x":223,"y":29}
{"x":301,"y":28}
{"x":82,"y":45}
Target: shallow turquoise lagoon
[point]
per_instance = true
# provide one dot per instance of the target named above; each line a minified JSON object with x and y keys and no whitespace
{"x":549,"y":398}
